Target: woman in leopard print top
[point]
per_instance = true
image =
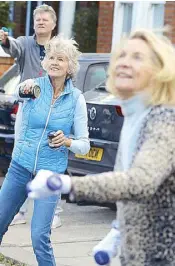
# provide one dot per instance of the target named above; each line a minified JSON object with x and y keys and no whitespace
{"x":142,"y":75}
{"x":144,"y":181}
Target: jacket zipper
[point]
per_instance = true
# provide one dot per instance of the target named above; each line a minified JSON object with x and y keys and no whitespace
{"x":37,"y":151}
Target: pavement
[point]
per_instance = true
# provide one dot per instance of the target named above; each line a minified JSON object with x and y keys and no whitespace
{"x":82,"y":228}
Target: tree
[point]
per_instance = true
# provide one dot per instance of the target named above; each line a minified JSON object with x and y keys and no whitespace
{"x":85,"y":28}
{"x":4,"y":15}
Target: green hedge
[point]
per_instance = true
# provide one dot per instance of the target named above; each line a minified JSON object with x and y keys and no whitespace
{"x":85,"y":28}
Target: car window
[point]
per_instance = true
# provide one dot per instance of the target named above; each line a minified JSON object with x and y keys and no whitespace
{"x":96,"y":74}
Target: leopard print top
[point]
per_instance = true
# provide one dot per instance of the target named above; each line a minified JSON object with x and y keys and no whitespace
{"x":145,"y":194}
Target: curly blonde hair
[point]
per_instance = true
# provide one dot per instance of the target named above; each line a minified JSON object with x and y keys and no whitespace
{"x":163,"y":61}
{"x":68,"y":47}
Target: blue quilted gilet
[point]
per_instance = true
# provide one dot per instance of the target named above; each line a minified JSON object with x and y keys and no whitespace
{"x":39,"y":117}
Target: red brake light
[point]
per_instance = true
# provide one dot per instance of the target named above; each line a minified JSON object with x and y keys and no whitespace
{"x":119,"y":110}
{"x":13,"y":113}
{"x":14,"y":109}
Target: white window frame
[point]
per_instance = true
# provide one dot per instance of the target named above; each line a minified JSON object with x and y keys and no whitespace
{"x":152,"y":13}
{"x":142,"y":17}
{"x":118,"y":20}
{"x":28,"y":14}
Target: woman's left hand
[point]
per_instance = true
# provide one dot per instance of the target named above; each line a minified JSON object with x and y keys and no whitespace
{"x":59,"y":139}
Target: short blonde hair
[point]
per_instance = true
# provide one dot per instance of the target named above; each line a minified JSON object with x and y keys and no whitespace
{"x":68,"y":47}
{"x":45,"y":8}
{"x":163,"y":89}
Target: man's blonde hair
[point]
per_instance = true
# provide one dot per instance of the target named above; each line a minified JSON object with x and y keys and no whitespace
{"x":68,"y":47}
{"x":45,"y":8}
{"x":163,"y":61}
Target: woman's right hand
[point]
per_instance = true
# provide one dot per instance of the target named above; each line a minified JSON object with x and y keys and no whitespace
{"x":28,"y":83}
{"x":24,"y":88}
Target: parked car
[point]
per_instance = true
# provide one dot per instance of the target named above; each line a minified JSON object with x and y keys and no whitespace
{"x":104,"y":116}
{"x":104,"y":123}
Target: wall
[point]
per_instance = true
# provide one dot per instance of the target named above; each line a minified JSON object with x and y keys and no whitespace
{"x":170,"y":18}
{"x":5,"y":63}
{"x":105,"y":26}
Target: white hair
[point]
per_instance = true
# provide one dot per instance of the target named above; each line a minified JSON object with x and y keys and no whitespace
{"x":68,"y":47}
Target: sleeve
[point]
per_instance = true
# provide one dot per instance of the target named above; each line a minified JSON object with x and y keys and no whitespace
{"x":80,"y":144}
{"x":18,"y":122}
{"x":153,"y":163}
{"x":16,"y":91}
{"x":15,"y":47}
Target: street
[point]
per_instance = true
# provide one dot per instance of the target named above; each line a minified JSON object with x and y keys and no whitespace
{"x":82,"y":228}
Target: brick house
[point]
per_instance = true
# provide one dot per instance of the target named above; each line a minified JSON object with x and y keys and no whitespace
{"x":114,"y":18}
{"x":117,"y":17}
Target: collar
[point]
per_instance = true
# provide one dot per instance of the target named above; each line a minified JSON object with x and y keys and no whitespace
{"x":135,"y":104}
{"x":34,"y":37}
{"x":68,"y":85}
{"x":34,"y":40}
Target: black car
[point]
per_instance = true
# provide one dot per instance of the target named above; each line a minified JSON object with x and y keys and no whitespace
{"x":8,"y":110}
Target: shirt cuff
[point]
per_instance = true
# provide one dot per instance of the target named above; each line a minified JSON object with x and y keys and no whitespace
{"x":74,"y":147}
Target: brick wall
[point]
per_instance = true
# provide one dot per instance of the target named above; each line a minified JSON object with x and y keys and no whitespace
{"x":105,"y":26}
{"x":5,"y":63}
{"x":170,"y":18}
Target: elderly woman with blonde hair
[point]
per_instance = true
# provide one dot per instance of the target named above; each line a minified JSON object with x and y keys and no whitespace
{"x":142,"y":77}
{"x":60,"y":108}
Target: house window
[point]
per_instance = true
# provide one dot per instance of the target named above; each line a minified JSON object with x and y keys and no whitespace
{"x":130,"y":15}
{"x":158,"y":15}
{"x":127,"y":17}
{"x":123,"y":19}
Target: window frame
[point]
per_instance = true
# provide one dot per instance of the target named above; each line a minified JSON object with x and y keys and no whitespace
{"x":142,"y":17}
{"x":152,"y":15}
{"x":118,"y":20}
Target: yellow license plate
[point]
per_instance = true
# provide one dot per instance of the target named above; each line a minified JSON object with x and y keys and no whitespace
{"x":95,"y":154}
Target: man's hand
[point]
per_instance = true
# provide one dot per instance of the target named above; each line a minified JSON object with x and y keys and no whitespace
{"x":3,"y":36}
{"x":47,"y":183}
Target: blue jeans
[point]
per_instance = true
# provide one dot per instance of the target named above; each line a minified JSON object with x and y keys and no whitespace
{"x":24,"y":207}
{"x":12,"y":196}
